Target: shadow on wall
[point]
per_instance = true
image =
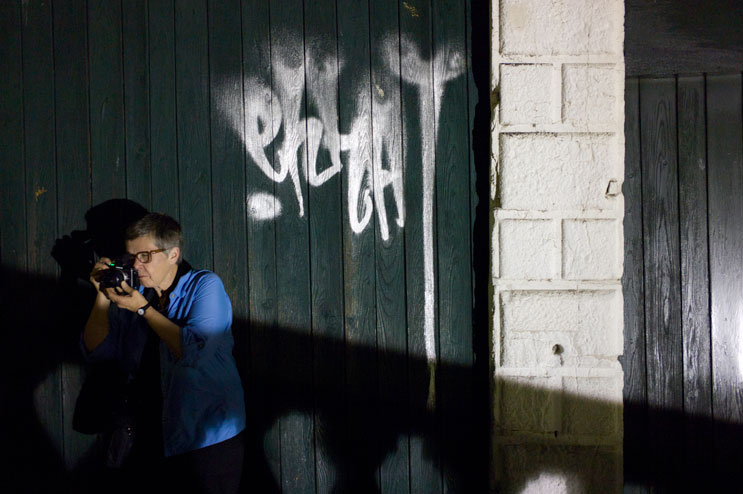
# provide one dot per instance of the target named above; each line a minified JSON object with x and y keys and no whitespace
{"x":355,"y":429}
{"x":42,"y":319}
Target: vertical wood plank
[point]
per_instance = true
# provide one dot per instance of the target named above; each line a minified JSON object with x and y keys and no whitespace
{"x":326,"y":241}
{"x":419,"y":140}
{"x":228,"y":174}
{"x":228,"y":168}
{"x":725,"y":172}
{"x":192,"y":97}
{"x":164,"y":146}
{"x":359,"y":248}
{"x":664,"y":343}
{"x":264,"y":439}
{"x":136,"y":102}
{"x":633,"y":360}
{"x":292,"y":248}
{"x":73,"y":200}
{"x":452,"y":208}
{"x":228,"y":164}
{"x":695,"y":274}
{"x":13,"y":235}
{"x":40,"y":370}
{"x":108,"y":167}
{"x":388,"y":187}
{"x":12,"y":173}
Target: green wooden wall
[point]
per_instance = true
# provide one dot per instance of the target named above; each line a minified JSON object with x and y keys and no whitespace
{"x":319,"y":156}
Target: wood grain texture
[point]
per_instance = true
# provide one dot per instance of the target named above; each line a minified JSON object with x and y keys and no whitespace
{"x":41,"y":367}
{"x":73,"y":200}
{"x":12,"y":174}
{"x":419,"y":142}
{"x":665,"y":37}
{"x":162,"y":97}
{"x":136,"y":102}
{"x":725,"y":172}
{"x":360,"y":306}
{"x":695,"y":272}
{"x":263,"y":395}
{"x":452,"y":206}
{"x":227,"y":156}
{"x":194,"y":143}
{"x":108,"y":166}
{"x":392,"y":342}
{"x":664,"y":342}
{"x":228,"y":169}
{"x":633,"y":360}
{"x":694,"y":249}
{"x":292,"y":250}
{"x":325,"y":209}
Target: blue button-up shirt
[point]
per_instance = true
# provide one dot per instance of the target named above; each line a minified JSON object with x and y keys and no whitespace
{"x":203,"y":400}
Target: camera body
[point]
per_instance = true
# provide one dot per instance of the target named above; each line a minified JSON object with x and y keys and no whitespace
{"x":119,"y":270}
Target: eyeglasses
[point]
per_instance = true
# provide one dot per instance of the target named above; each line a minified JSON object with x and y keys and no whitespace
{"x":146,"y":255}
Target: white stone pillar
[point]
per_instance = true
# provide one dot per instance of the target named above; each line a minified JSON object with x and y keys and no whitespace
{"x":558,"y":167}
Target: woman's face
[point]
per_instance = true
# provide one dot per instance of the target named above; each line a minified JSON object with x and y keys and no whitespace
{"x":161,"y":267}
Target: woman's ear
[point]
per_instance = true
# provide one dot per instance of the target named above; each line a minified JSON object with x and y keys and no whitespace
{"x":173,"y":254}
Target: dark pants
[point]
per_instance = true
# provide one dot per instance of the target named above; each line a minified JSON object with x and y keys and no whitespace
{"x":215,"y":469}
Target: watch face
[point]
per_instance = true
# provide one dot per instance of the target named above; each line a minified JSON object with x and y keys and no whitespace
{"x":140,"y":311}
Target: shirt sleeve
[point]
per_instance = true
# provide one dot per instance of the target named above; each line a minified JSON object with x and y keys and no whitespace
{"x":208,"y":321}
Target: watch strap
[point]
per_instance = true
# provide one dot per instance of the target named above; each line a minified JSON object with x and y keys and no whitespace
{"x":143,"y":309}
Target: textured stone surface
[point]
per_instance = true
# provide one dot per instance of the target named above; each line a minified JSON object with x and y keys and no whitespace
{"x":528,"y":249}
{"x":557,"y":171}
{"x":525,"y":93}
{"x":591,"y":250}
{"x":602,"y":417}
{"x":558,"y":469}
{"x":558,"y":305}
{"x":583,"y":325}
{"x":567,"y":27}
{"x":529,"y":404}
{"x":589,"y":94}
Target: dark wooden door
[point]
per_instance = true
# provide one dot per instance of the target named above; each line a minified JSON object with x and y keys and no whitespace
{"x":683,"y":283}
{"x":319,"y":155}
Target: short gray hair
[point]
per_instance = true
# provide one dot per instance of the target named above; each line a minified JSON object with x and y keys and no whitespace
{"x":165,"y":231}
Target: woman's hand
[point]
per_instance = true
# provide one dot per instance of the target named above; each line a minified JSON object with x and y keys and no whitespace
{"x":101,"y":265}
{"x":131,"y":300}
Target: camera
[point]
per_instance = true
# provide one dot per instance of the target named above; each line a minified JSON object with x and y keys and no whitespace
{"x":119,"y":270}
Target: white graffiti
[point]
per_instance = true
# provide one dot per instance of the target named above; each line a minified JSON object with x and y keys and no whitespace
{"x":263,"y":206}
{"x":410,"y":71}
{"x":274,"y":114}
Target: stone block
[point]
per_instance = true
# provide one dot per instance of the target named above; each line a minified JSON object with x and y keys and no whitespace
{"x":528,"y":249}
{"x":561,"y":328}
{"x":592,"y":406}
{"x":525,"y":96}
{"x":591,"y":250}
{"x":568,"y":27}
{"x":528,"y":404}
{"x":557,"y":171}
{"x":589,"y":94}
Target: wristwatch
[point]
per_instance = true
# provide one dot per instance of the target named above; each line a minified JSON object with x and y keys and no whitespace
{"x":143,"y":309}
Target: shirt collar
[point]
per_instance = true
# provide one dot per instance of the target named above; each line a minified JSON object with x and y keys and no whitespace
{"x":177,"y":286}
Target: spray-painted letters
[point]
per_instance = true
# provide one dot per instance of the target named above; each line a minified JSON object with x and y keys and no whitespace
{"x":273,"y":117}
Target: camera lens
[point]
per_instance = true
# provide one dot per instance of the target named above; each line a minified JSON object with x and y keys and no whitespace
{"x":112,"y":278}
